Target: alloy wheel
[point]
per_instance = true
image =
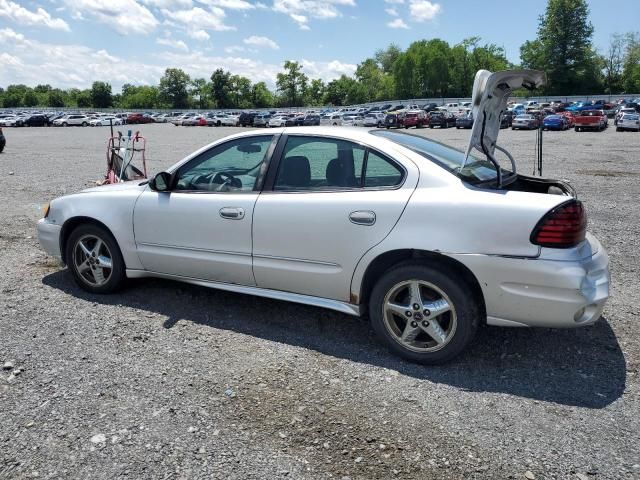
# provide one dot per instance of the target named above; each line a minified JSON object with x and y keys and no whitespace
{"x":93,"y":260}
{"x":419,"y":316}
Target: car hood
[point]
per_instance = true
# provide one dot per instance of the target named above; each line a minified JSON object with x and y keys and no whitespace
{"x":491,"y":91}
{"x":118,"y":187}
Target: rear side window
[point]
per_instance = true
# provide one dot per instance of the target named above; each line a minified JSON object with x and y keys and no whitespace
{"x":314,"y":163}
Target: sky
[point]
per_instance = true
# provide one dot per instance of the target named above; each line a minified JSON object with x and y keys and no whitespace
{"x":71,"y":43}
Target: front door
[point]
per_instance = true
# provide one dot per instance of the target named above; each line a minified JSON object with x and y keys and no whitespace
{"x":202,"y":227}
{"x":331,"y":201}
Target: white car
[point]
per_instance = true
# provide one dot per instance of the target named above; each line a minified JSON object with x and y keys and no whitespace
{"x":10,"y":121}
{"x":72,"y":120}
{"x":105,"y":121}
{"x":334,"y":119}
{"x":629,"y":121}
{"x":277,"y":121}
{"x":430,"y":242}
{"x":374,"y":119}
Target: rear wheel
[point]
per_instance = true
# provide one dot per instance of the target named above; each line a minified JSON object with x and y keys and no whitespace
{"x":84,"y":124}
{"x":65,"y":124}
{"x":94,"y":259}
{"x":423,"y":314}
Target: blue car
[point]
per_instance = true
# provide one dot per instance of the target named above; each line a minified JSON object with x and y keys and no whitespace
{"x":555,"y":122}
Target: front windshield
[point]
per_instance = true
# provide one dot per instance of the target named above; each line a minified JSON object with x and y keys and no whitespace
{"x":475,"y":170}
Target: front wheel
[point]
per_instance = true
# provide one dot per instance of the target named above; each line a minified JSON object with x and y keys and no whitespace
{"x":65,"y":124}
{"x":423,"y":314}
{"x":94,"y":259}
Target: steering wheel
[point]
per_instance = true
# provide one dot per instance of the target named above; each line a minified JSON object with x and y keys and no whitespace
{"x":225,"y":180}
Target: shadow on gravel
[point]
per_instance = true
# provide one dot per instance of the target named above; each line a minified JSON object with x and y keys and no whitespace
{"x":580,"y":367}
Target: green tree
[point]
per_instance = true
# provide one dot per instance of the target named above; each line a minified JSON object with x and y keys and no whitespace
{"x":30,"y":99}
{"x":240,"y":91}
{"x":261,"y":97}
{"x":55,"y":99}
{"x":200,"y":91}
{"x":291,"y":84}
{"x":563,"y":48}
{"x":315,"y":92}
{"x":220,"y":88}
{"x":631,"y":67}
{"x":83,"y":99}
{"x":101,"y":95}
{"x":144,"y":96}
{"x":387,"y":57}
{"x":174,"y":88}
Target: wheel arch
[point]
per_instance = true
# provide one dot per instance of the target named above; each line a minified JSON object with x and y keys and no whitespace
{"x":72,"y":223}
{"x":383,"y":262}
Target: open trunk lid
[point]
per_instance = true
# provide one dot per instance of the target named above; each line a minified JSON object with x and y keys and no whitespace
{"x":491,"y":91}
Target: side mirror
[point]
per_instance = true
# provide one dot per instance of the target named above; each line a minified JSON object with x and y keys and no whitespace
{"x":161,"y":182}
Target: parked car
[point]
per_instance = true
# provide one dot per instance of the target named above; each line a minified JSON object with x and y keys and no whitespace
{"x":246,"y":118}
{"x":196,"y":121}
{"x":334,"y":119}
{"x":465,"y":121}
{"x":525,"y":122}
{"x":555,"y":122}
{"x":629,"y":121}
{"x":3,"y":140}
{"x":261,"y":120}
{"x":429,"y":107}
{"x":374,"y":119}
{"x":105,"y":121}
{"x":37,"y":120}
{"x":311,"y":119}
{"x":506,"y":118}
{"x":393,"y":120}
{"x":590,"y":120}
{"x":569,"y":117}
{"x":621,"y":112}
{"x":277,"y":121}
{"x":426,"y":285}
{"x":442,"y":119}
{"x":353,"y":120}
{"x":11,"y":121}
{"x":294,"y":121}
{"x":72,"y":120}
{"x":178,"y":121}
{"x":414,"y":118}
{"x":135,"y":118}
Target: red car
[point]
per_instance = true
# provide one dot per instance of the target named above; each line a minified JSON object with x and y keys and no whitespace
{"x":570,"y":118}
{"x":139,"y":118}
{"x":416,"y":119}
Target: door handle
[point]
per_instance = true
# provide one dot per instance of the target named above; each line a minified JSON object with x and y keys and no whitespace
{"x":232,"y":213}
{"x":363,"y":217}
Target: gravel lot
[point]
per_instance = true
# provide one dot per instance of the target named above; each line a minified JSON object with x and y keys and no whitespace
{"x":172,"y":381}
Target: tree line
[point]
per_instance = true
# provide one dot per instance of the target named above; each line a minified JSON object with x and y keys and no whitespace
{"x":426,"y":69}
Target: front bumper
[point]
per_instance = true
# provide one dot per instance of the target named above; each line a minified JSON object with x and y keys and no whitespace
{"x":49,"y":237}
{"x":543,"y":292}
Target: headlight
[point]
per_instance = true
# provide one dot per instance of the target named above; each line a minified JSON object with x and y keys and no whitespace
{"x":45,"y":210}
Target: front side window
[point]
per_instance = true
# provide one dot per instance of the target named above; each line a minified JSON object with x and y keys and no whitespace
{"x":313,"y":163}
{"x":233,"y":166}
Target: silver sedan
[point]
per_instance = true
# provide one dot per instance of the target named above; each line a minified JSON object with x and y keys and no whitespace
{"x":429,"y":241}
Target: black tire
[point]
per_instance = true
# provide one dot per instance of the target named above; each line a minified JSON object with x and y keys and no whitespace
{"x":65,"y":124}
{"x":467,"y":312}
{"x":577,"y":129}
{"x":84,"y":124}
{"x":117,"y":276}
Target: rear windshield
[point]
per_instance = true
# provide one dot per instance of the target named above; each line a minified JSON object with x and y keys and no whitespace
{"x":475,"y":170}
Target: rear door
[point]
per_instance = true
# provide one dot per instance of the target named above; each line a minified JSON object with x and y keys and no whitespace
{"x":325,"y":203}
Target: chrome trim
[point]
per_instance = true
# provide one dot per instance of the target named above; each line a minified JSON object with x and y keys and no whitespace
{"x":301,"y":260}
{"x":194,"y":249}
{"x":328,"y":303}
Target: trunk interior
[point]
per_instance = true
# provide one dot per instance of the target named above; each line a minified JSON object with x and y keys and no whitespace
{"x":541,"y":185}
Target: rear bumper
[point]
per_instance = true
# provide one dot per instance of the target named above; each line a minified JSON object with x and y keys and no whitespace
{"x":543,"y":293}
{"x":49,"y":237}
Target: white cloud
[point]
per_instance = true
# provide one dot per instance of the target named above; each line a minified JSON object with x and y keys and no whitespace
{"x":22,"y":16}
{"x":230,"y":4}
{"x":200,"y":35}
{"x":301,"y":10}
{"x":423,"y":10}
{"x":234,"y":49}
{"x":169,"y":3}
{"x":124,"y":16}
{"x":391,"y":11}
{"x":6,"y":60}
{"x":198,"y":18}
{"x":327,"y":71}
{"x":261,"y":42}
{"x":394,"y":2}
{"x":397,"y":23}
{"x":178,"y":44}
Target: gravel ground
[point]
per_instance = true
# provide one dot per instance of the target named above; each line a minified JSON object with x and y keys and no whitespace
{"x":167,"y":380}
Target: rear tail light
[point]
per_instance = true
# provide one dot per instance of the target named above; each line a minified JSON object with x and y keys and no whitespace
{"x":563,"y":227}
